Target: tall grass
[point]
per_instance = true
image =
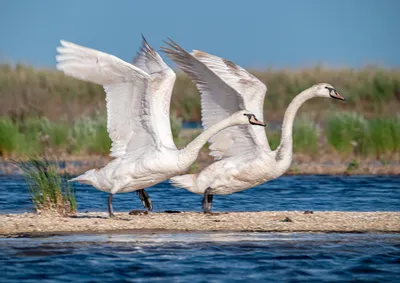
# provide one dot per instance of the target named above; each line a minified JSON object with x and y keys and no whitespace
{"x":384,"y":136}
{"x":57,"y":133}
{"x":9,"y":136}
{"x":348,"y":132}
{"x":90,"y":135}
{"x":33,"y":135}
{"x":25,"y":91}
{"x":274,"y":139}
{"x":40,"y":133}
{"x":48,"y":190}
{"x":305,"y":136}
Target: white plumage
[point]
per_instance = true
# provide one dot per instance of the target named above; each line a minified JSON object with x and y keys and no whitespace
{"x":138,"y":99}
{"x":243,"y":157}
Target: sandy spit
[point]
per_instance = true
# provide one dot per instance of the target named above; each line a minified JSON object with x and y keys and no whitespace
{"x":30,"y":224}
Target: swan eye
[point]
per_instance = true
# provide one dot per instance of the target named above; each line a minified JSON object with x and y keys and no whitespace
{"x":331,"y":89}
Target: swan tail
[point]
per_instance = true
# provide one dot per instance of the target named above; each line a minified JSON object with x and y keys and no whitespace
{"x":187,"y":182}
{"x":85,"y":178}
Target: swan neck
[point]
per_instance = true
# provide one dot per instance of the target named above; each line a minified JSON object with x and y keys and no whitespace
{"x":285,"y":148}
{"x":189,"y":153}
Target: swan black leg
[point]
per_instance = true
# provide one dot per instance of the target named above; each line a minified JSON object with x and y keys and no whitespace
{"x":207,"y":201}
{"x":145,"y":198}
{"x":110,"y":208}
{"x":146,"y":201}
{"x":210,"y":199}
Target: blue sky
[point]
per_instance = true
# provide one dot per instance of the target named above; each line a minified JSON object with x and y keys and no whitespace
{"x":254,"y":34}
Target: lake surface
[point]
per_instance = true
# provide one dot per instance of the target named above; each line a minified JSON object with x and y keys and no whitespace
{"x":213,"y":257}
{"x":206,"y":257}
{"x":340,"y":193}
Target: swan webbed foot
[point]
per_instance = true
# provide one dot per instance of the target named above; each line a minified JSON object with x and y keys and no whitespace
{"x":207,"y":201}
{"x":145,"y":198}
{"x":110,"y":208}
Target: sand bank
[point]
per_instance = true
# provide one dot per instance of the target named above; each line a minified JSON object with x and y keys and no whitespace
{"x":30,"y":224}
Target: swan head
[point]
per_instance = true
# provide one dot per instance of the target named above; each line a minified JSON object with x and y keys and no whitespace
{"x":245,"y":117}
{"x":326,"y":90}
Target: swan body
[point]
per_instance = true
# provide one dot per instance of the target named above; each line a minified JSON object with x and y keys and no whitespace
{"x":239,"y":163}
{"x":138,"y":98}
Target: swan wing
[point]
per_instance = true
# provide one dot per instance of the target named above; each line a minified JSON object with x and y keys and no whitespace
{"x":127,"y":94}
{"x":219,"y":100}
{"x":251,"y":90}
{"x":161,"y":86}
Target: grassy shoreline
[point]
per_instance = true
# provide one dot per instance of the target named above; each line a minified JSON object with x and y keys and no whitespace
{"x":46,"y":112}
{"x":346,"y":137}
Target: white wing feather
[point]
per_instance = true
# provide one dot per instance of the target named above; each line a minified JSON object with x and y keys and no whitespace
{"x":161,"y":84}
{"x":126,"y":87}
{"x":250,"y":89}
{"x":223,"y":92}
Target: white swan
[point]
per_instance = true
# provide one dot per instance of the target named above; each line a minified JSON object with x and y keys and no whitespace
{"x":138,"y":100}
{"x":243,"y":157}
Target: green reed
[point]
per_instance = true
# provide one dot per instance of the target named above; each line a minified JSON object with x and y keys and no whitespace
{"x":347,"y":132}
{"x":89,"y":135}
{"x":48,"y":190}
{"x":25,"y":91}
{"x":351,"y":132}
{"x":384,"y":136}
{"x":305,"y":136}
{"x":9,"y":136}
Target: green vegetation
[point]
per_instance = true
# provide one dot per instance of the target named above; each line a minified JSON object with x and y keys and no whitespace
{"x":384,"y":136}
{"x":305,"y":136}
{"x":44,"y":110}
{"x":347,"y":133}
{"x":89,"y":135}
{"x":351,"y":132}
{"x":36,"y":135}
{"x":353,"y":165}
{"x":176,"y":126}
{"x":48,"y":190}
{"x":274,"y":138}
{"x":25,"y":92}
{"x":9,"y":136}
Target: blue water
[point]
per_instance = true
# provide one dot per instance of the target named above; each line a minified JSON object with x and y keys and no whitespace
{"x":191,"y":125}
{"x":207,"y":257}
{"x":354,"y":193}
{"x":213,"y":257}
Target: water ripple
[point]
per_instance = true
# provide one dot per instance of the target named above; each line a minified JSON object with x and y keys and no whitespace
{"x":322,"y":192}
{"x":194,"y":257}
{"x":213,"y":257}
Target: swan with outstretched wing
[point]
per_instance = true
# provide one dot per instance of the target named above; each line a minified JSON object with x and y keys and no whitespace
{"x":243,"y":157}
{"x":138,"y":99}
